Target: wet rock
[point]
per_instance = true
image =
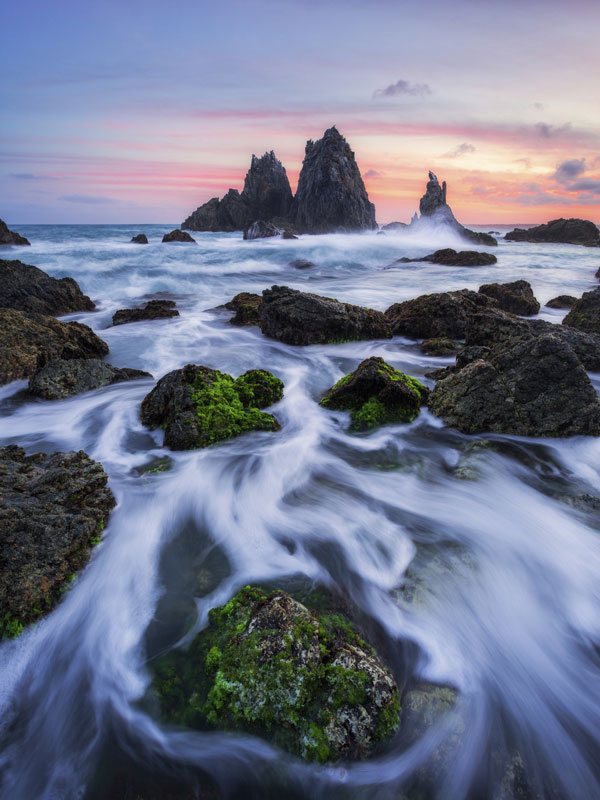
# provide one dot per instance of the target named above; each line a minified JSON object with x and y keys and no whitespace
{"x":246,"y":306}
{"x":424,"y":706}
{"x":585,"y":313}
{"x":178,"y":236}
{"x":10,"y":237}
{"x":261,"y":230}
{"x":141,"y":238}
{"x":440,"y":347}
{"x":153,"y":309}
{"x":60,"y":379}
{"x":53,"y":509}
{"x":562,"y":301}
{"x":198,"y":406}
{"x":450,"y":258}
{"x":534,"y":387}
{"x":376,"y":394}
{"x":27,"y":288}
{"x":434,"y":316}
{"x":568,"y":231}
{"x":301,"y":318}
{"x":301,"y":263}
{"x":288,"y":235}
{"x":28,"y":341}
{"x":516,"y":297}
{"x":267,"y":665}
{"x":331,"y":195}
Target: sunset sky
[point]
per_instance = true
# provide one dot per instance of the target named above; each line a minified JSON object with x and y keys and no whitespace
{"x":128,"y":111}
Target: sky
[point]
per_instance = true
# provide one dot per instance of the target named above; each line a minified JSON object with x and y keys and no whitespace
{"x":123,"y":111}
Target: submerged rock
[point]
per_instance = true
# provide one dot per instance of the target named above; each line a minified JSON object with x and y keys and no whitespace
{"x":450,"y":258}
{"x":267,"y":665}
{"x":27,"y":288}
{"x":198,"y":406}
{"x":261,"y":230}
{"x":60,"y":379}
{"x":533,"y":387}
{"x":178,"y":236}
{"x":562,"y":301}
{"x":331,"y":195}
{"x":375,"y":394}
{"x":585,"y":313}
{"x":302,"y":318}
{"x":29,"y":341}
{"x":141,"y":238}
{"x":10,"y":237}
{"x":567,"y":231}
{"x":53,"y":509}
{"x":153,"y":309}
{"x":246,"y":306}
{"x":301,"y":263}
{"x":516,"y":297}
{"x":434,"y":316}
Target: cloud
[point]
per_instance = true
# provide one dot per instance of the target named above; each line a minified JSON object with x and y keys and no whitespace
{"x":568,"y":170}
{"x":404,"y":87}
{"x":525,"y":161}
{"x":551,"y":131}
{"x":586,"y":185}
{"x":372,"y":173}
{"x":86,"y":198}
{"x":461,"y":150}
{"x":539,"y":106}
{"x":29,"y":176}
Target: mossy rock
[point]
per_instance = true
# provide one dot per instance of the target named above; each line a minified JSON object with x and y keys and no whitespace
{"x":198,"y":406}
{"x":267,"y":665}
{"x":376,"y":393}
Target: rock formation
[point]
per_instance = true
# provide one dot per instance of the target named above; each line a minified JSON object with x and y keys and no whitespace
{"x":585,"y":313}
{"x":567,"y":231}
{"x":178,"y":236}
{"x":261,"y":230}
{"x":450,"y":258}
{"x":10,"y":237}
{"x":434,"y":316}
{"x":141,"y":238}
{"x":59,"y":379}
{"x":153,"y":309}
{"x":246,"y":307}
{"x":516,"y":297}
{"x":562,"y":301}
{"x":27,"y":288}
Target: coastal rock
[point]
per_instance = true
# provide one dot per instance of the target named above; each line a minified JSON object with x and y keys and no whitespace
{"x":52,"y":512}
{"x":535,"y":387}
{"x":178,"y":236}
{"x":440,"y":347}
{"x":28,"y":341}
{"x":301,"y":318}
{"x":246,"y":307}
{"x":308,"y":682}
{"x":141,"y":238}
{"x":59,"y":379}
{"x":376,"y":394}
{"x":433,"y":206}
{"x":261,"y":230}
{"x":331,"y":195}
{"x":198,"y":406}
{"x":562,"y":301}
{"x":288,"y":235}
{"x":450,"y":258}
{"x":301,"y":263}
{"x":10,"y":237}
{"x":516,"y":297}
{"x":434,"y":316}
{"x":394,"y":226}
{"x":568,"y":231}
{"x":27,"y":288}
{"x":153,"y":309}
{"x":585,"y":313}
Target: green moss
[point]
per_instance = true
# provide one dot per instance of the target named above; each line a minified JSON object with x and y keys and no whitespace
{"x":10,"y":627}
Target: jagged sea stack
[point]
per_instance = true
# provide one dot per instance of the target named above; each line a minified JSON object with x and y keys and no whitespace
{"x":331,"y":194}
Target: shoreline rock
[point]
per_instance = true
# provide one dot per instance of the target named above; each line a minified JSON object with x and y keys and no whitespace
{"x":435,"y":316}
{"x":585,"y":313}
{"x":559,"y":231}
{"x":141,"y":238}
{"x":516,"y":297}
{"x":451,"y":258}
{"x":11,"y":237}
{"x":153,"y":309}
{"x":246,"y":307}
{"x":562,"y":301}
{"x":261,"y":230}
{"x":24,"y":287}
{"x":60,"y":379}
{"x":178,"y":235}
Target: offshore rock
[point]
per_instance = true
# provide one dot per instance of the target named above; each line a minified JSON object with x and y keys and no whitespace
{"x":10,"y":237}
{"x":198,"y":406}
{"x":153,"y":309}
{"x":178,"y":236}
{"x":60,"y":379}
{"x":267,"y":665}
{"x":141,"y":238}
{"x":29,"y":341}
{"x":261,"y":230}
{"x":376,"y":394}
{"x":516,"y":297}
{"x":568,"y":231}
{"x":450,"y":258}
{"x":562,"y":301}
{"x":585,"y":313}
{"x":394,"y":226}
{"x":434,"y":316}
{"x":331,"y":195}
{"x":52,"y":511}
{"x":301,"y":263}
{"x":533,"y":387}
{"x":301,"y":318}
{"x":27,"y":288}
{"x":246,"y":307}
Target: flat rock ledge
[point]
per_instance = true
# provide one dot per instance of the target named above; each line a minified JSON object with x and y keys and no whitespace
{"x":153,"y":309}
{"x":60,"y":379}
{"x":452,"y":258}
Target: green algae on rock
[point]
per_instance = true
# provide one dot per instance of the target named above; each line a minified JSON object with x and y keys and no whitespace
{"x":198,"y":406}
{"x":376,"y":393}
{"x":267,"y":665}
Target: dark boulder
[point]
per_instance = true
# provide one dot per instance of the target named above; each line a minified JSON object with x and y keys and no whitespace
{"x":562,"y":301}
{"x":246,"y":307}
{"x":153,"y":309}
{"x":198,"y":406}
{"x":533,"y":387}
{"x":440,"y":347}
{"x":434,"y":316}
{"x":261,"y":230}
{"x":10,"y":237}
{"x":29,"y":341}
{"x":567,"y":231}
{"x":53,"y":509}
{"x":585,"y":313}
{"x":305,"y":680}
{"x":331,"y":195}
{"x":141,"y":238}
{"x":450,"y":258}
{"x":516,"y":297}
{"x":301,"y":318}
{"x":178,"y":236}
{"x":301,"y":263}
{"x":59,"y":379}
{"x":375,"y":394}
{"x":27,"y":288}
{"x":288,"y":235}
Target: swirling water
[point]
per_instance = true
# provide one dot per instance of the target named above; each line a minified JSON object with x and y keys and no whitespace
{"x":475,"y":566}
